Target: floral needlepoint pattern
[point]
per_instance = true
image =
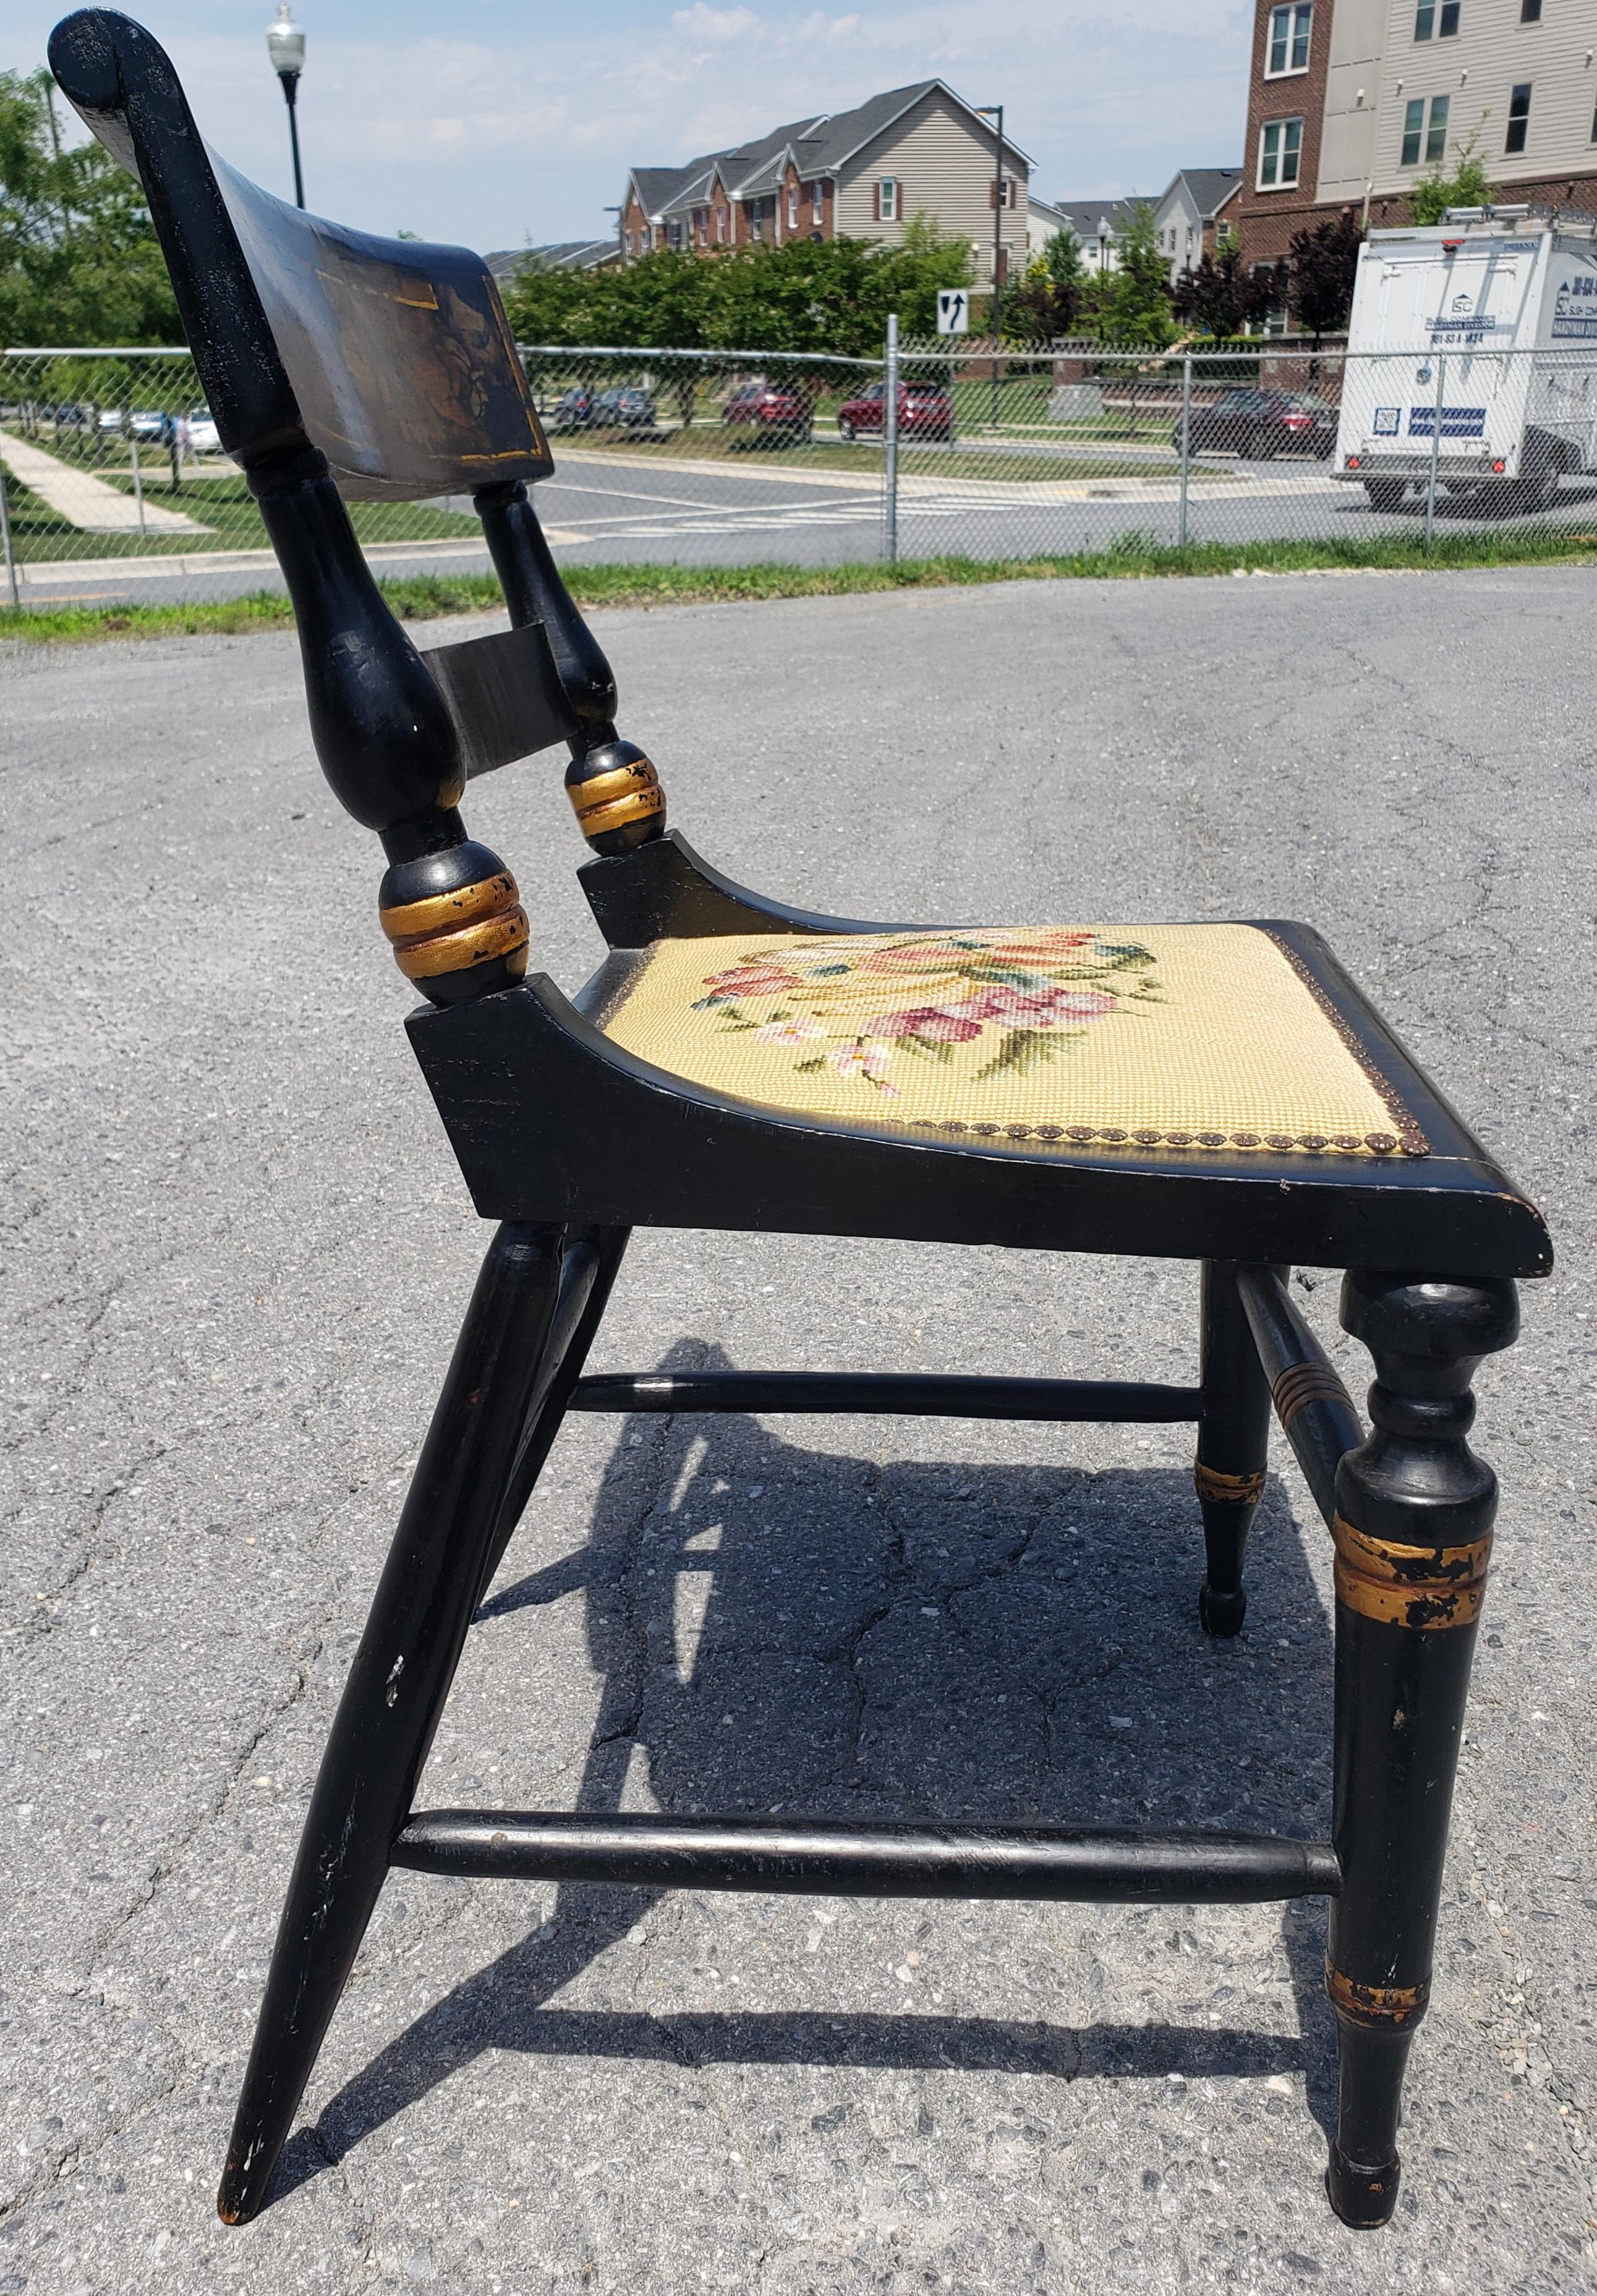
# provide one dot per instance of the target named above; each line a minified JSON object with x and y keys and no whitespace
{"x":1031,"y":995}
{"x":1183,"y":1038}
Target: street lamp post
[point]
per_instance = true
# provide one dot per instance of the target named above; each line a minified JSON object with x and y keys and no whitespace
{"x":995,"y":111}
{"x":285,"y":45}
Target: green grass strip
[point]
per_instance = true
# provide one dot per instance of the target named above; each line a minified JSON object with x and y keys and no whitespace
{"x":1132,"y":556}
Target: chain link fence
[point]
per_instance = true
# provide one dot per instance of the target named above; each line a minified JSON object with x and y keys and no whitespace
{"x":116,"y":486}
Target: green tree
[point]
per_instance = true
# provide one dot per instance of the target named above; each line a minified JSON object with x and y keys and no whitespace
{"x":80,"y":261}
{"x":1468,"y":185}
{"x":1131,"y":304}
{"x":805,"y":295}
{"x":1045,"y":305}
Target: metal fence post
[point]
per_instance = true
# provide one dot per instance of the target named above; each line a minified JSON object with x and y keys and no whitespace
{"x":138,"y":484}
{"x":1186,"y":441}
{"x":889,"y":431}
{"x":1435,"y":450}
{"x":11,"y":562}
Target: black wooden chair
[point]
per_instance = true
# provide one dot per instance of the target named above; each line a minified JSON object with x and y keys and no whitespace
{"x":1218,"y":1093}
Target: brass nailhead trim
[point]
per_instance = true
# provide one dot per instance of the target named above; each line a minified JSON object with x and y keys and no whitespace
{"x":1227,"y":1491}
{"x":1430,"y":1587}
{"x":1376,"y":2004}
{"x":450,"y":933}
{"x":1306,"y":1383}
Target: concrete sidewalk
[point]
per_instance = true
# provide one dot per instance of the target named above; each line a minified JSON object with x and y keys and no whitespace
{"x":85,"y":501}
{"x":238,"y":1251}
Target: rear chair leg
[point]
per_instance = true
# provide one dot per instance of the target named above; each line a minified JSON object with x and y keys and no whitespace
{"x":395,"y":1690}
{"x":1233,"y":1434}
{"x":1412,"y":1532}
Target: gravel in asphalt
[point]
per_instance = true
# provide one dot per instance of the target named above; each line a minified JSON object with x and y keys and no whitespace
{"x":237,"y":1253}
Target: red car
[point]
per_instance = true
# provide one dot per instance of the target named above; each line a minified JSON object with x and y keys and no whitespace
{"x":924,"y":412}
{"x":767,"y":407}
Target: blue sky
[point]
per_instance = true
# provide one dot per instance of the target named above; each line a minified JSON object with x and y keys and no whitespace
{"x":494,"y":124}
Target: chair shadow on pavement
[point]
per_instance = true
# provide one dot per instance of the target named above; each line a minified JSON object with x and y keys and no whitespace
{"x":917,"y":1637}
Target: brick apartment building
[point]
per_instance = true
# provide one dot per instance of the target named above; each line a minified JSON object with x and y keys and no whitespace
{"x":1349,"y":102}
{"x":864,"y":174}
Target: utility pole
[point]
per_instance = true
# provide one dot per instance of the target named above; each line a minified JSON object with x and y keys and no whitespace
{"x":995,"y":111}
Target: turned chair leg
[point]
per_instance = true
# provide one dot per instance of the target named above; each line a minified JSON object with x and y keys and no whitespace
{"x":395,"y":1690}
{"x":1233,"y":1444}
{"x":1413,"y":1532}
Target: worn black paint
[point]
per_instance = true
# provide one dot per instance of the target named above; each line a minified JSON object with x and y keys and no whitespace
{"x":831,"y":1857}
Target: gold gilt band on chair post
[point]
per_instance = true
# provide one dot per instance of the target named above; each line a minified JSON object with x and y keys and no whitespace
{"x":1427,"y":1587}
{"x":616,"y":795}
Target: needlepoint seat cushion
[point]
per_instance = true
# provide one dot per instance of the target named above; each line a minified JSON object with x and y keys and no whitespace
{"x":1146,"y":1036}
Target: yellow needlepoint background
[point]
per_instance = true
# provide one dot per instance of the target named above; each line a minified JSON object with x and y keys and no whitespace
{"x":1167,"y":1035}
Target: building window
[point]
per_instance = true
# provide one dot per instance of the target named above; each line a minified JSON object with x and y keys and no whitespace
{"x":1424,"y":138}
{"x":629,"y":242}
{"x":817,"y":195}
{"x":1518,"y":117}
{"x":1530,"y":12}
{"x":792,"y":207}
{"x":887,"y":200}
{"x":720,"y":226}
{"x":1280,"y":148}
{"x":1289,"y":30}
{"x":1441,"y":21}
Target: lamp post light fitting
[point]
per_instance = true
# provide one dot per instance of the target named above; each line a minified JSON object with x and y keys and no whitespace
{"x":285,"y":45}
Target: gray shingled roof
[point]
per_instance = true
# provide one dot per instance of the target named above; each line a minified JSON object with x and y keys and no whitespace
{"x":1084,"y":215}
{"x":820,"y":144}
{"x":1211,"y":187}
{"x":563,"y":255}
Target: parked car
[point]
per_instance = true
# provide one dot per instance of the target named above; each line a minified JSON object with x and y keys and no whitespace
{"x":147,"y":424}
{"x":573,"y":410}
{"x":771,"y":411}
{"x":204,"y":437}
{"x":629,"y":408}
{"x":924,"y":412}
{"x":1258,"y":424}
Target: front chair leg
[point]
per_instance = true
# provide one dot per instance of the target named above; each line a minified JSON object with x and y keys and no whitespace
{"x":1413,"y":1532}
{"x":395,"y":1690}
{"x":1233,"y":1435}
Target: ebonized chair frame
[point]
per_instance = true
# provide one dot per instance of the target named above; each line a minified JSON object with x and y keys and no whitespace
{"x":570,"y":1143}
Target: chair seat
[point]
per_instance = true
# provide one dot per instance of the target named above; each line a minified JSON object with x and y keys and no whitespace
{"x":1148,"y":1036}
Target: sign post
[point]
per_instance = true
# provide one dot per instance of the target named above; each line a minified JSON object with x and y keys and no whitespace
{"x":953,"y":318}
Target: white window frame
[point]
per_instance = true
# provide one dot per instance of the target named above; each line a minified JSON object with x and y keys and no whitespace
{"x":1424,"y":157}
{"x":886,"y":199}
{"x":1275,"y":157}
{"x":817,"y":201}
{"x":1296,"y":18}
{"x":792,"y":207}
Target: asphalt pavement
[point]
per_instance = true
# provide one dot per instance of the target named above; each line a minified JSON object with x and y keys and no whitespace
{"x":237,"y":1253}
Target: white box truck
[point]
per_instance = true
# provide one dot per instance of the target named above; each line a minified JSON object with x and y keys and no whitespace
{"x":1472,"y":346}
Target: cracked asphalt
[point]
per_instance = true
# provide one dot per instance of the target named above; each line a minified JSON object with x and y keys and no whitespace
{"x":237,"y":1251}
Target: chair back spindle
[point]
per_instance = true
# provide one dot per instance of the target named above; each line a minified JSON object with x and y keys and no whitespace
{"x":343,"y":367}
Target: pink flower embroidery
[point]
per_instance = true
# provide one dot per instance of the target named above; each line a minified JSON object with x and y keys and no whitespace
{"x":938,"y":1024}
{"x":788,"y":1032}
{"x":1040,"y":1008}
{"x":1041,"y":943}
{"x":749,"y":980}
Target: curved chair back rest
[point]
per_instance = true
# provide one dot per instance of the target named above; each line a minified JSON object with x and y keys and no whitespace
{"x":392,"y":357}
{"x":339,"y":367}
